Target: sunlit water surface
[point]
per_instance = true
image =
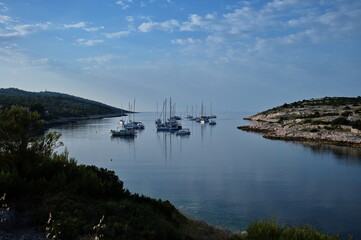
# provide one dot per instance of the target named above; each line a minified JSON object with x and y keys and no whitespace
{"x":228,"y":177}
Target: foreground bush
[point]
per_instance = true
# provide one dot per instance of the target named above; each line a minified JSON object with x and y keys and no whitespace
{"x":271,"y":230}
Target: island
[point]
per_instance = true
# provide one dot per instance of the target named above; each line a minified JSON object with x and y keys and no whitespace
{"x":330,"y":120}
{"x":58,"y":108}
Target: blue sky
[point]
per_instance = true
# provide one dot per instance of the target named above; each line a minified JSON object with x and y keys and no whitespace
{"x":241,"y":55}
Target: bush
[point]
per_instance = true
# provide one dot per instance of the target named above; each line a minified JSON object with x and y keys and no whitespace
{"x":356,"y":124}
{"x":271,"y":230}
{"x":340,"y":121}
{"x":346,"y":114}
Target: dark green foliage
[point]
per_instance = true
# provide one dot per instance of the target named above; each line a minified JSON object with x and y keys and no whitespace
{"x":312,"y":130}
{"x":346,"y":113}
{"x":340,"y":121}
{"x":271,"y":230}
{"x":21,"y":148}
{"x":52,"y":105}
{"x":261,"y":230}
{"x":356,"y":124}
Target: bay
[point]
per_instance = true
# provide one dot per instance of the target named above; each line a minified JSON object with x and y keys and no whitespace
{"x":228,"y":177}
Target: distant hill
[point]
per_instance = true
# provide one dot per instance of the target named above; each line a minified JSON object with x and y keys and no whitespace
{"x":53,"y":105}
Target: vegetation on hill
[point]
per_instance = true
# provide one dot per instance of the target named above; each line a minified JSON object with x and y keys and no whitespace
{"x":331,"y":111}
{"x":52,"y":105}
{"x":326,"y":101}
{"x":71,"y":201}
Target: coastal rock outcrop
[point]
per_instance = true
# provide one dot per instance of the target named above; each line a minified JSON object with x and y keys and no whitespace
{"x":326,"y":120}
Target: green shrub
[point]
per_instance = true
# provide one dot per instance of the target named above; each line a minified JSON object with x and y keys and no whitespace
{"x":271,"y":230}
{"x":346,"y":114}
{"x":262,"y":230}
{"x":340,"y":121}
{"x":356,"y":124}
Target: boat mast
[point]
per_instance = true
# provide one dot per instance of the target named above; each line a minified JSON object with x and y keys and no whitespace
{"x":165,"y":110}
{"x":170,"y":107}
{"x":134,"y":110}
{"x":156,"y":115}
{"x":129,"y":109}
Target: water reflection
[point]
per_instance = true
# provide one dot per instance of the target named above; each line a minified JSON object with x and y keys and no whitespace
{"x":165,"y":141}
{"x":348,"y":155}
{"x":126,"y":139}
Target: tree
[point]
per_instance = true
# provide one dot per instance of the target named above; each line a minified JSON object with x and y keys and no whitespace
{"x":21,"y":144}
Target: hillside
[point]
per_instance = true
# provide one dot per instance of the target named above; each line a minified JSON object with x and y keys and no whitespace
{"x":57,"y":106}
{"x":335,"y":120}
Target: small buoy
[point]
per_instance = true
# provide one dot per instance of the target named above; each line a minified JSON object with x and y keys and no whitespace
{"x":111,"y":159}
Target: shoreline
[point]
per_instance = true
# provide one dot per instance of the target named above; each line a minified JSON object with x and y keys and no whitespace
{"x":276,"y":131}
{"x":60,"y":121}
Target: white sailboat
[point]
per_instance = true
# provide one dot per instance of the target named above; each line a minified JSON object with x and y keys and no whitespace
{"x":133,"y":124}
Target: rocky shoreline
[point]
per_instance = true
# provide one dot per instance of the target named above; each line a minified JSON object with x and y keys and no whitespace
{"x":310,"y":121}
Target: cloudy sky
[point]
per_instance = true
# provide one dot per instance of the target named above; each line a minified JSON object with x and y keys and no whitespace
{"x":241,"y":55}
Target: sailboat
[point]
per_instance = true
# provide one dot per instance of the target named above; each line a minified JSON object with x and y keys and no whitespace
{"x":126,"y":132}
{"x":133,"y":124}
{"x":158,"y":118}
{"x":212,"y":116}
{"x":170,"y":124}
{"x":212,"y":122}
{"x":203,"y":119}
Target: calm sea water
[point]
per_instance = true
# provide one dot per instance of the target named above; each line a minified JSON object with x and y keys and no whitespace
{"x":228,"y":177}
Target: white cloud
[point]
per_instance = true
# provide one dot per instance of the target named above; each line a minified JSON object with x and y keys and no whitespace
{"x":83,"y":26}
{"x":22,"y":30}
{"x":3,"y":7}
{"x":84,"y":42}
{"x":130,"y":19}
{"x":93,"y":29}
{"x":186,"y":41}
{"x":147,"y":27}
{"x":98,"y":60}
{"x":169,"y":25}
{"x":124,"y":3}
{"x":116,"y":34}
{"x":280,"y":4}
{"x":76,"y":25}
{"x":59,"y":38}
{"x":209,"y":16}
{"x":10,"y":54}
{"x":195,"y":22}
{"x":14,"y":55}
{"x":5,"y":19}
